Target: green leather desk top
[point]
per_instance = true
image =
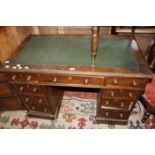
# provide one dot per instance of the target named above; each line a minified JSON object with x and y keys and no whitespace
{"x":76,"y":51}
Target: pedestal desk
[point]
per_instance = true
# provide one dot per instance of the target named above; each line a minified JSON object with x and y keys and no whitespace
{"x":34,"y":78}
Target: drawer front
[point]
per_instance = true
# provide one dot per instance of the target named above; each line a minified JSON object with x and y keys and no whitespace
{"x":72,"y":80}
{"x":113,"y":114}
{"x":26,"y":88}
{"x":2,"y":77}
{"x":38,"y":104}
{"x":5,"y":90}
{"x":11,"y":103}
{"x":38,"y":108}
{"x":133,"y":82}
{"x":38,"y":100}
{"x":116,"y":104}
{"x":119,"y":93}
{"x":22,"y":77}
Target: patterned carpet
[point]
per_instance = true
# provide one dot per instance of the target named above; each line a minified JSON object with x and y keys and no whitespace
{"x":77,"y":112}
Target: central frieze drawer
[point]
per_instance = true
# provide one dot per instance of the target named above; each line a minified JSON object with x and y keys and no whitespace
{"x":116,"y":104}
{"x":26,"y":88}
{"x":75,"y":80}
{"x":119,"y":93}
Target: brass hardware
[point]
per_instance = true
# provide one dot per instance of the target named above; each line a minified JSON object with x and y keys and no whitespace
{"x":40,"y":101}
{"x":115,"y":81}
{"x":29,"y":77}
{"x":122,"y":104}
{"x":107,"y":114}
{"x":34,"y":89}
{"x":55,"y":79}
{"x":21,"y":88}
{"x":33,"y":108}
{"x":134,"y":83}
{"x":130,"y":94}
{"x":27,"y":99}
{"x":107,"y":102}
{"x":86,"y":81}
{"x":112,"y":93}
{"x":13,"y":77}
{"x":121,"y":115}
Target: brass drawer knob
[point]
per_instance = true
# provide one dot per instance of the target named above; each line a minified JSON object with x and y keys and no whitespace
{"x":107,"y":102}
{"x":21,"y":88}
{"x":27,"y":99}
{"x":86,"y":81}
{"x":121,"y":115}
{"x":29,"y":77}
{"x":130,"y":94}
{"x":13,"y":77}
{"x":34,"y":89}
{"x":107,"y":114}
{"x":33,"y":108}
{"x":112,"y":93}
{"x":40,"y":101}
{"x":27,"y":85}
{"x":55,"y":79}
{"x":45,"y":110}
{"x":122,"y":104}
{"x":134,"y":83}
{"x":115,"y":81}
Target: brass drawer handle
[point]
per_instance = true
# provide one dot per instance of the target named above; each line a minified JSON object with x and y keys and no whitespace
{"x":27,"y":99}
{"x":112,"y":93}
{"x":130,"y":94}
{"x":21,"y":88}
{"x":13,"y":77}
{"x":107,"y":114}
{"x":86,"y":81}
{"x":134,"y":83}
{"x":122,"y":104}
{"x":115,"y":81}
{"x":107,"y":102}
{"x":55,"y":79}
{"x":45,"y":110}
{"x":40,"y":101}
{"x":29,"y":78}
{"x":121,"y":115}
{"x":33,"y":108}
{"x":34,"y":89}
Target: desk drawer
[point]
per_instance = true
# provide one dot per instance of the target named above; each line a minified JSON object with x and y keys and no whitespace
{"x":33,"y":103}
{"x":119,"y":93}
{"x":113,"y":114}
{"x":5,"y":90}
{"x":11,"y":103}
{"x":38,"y":100}
{"x":72,"y":80}
{"x":38,"y":108}
{"x":22,"y":77}
{"x":116,"y":104}
{"x":123,"y":81}
{"x":29,"y":89}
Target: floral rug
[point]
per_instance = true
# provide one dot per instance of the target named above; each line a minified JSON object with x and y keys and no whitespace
{"x":77,"y":112}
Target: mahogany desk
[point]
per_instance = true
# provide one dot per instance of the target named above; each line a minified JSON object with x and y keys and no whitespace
{"x":34,"y":78}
